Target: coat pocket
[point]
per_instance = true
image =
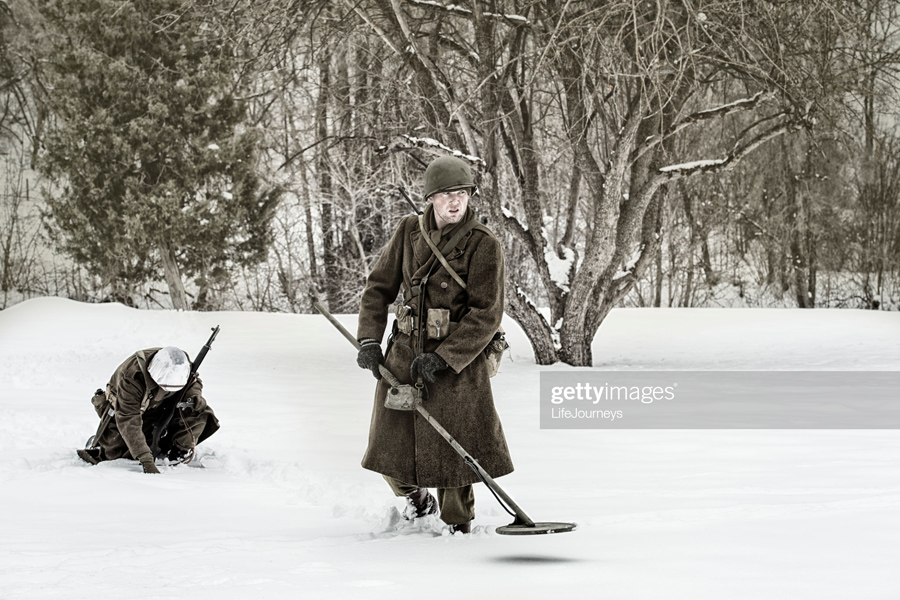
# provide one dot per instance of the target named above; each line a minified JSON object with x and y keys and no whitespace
{"x":438,"y":323}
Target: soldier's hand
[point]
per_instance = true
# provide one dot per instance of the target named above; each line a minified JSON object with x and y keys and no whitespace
{"x":370,"y":356}
{"x":147,"y":463}
{"x":426,"y":365}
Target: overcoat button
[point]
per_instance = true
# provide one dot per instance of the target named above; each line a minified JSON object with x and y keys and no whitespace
{"x":444,"y":284}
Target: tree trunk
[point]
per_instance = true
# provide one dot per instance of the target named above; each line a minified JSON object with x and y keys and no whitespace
{"x":799,"y":234}
{"x":689,"y":280}
{"x":173,"y":277}
{"x":658,"y":282}
{"x":332,"y":284}
{"x":576,"y":351}
{"x":313,"y":289}
{"x":524,"y":313}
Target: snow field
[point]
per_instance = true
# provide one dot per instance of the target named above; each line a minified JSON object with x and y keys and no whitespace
{"x":277,"y":506}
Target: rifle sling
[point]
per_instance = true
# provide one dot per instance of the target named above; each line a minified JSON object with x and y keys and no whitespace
{"x":161,"y":428}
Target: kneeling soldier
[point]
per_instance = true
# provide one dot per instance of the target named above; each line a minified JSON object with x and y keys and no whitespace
{"x":138,"y":400}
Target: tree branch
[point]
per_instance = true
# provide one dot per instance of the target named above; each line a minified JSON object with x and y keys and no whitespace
{"x":406,"y":142}
{"x":741,"y":149}
{"x":378,"y":30}
{"x":443,"y":84}
{"x":705,"y":115}
{"x":515,"y":20}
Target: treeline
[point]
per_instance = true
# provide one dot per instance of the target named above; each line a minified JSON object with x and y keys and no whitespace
{"x":245,"y":155}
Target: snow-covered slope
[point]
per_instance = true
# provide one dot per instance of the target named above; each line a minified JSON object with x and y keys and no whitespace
{"x":277,"y":505}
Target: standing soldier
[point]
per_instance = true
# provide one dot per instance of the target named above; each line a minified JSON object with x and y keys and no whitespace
{"x":133,"y":404}
{"x":450,"y":311}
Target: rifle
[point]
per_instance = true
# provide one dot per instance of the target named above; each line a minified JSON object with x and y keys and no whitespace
{"x":408,"y":199}
{"x":161,"y":428}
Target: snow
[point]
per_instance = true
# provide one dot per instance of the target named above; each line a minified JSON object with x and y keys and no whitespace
{"x":427,"y":141}
{"x":558,"y":268}
{"x":629,"y":266}
{"x":465,"y":11}
{"x":689,"y":166}
{"x":509,"y":215}
{"x":277,"y":505}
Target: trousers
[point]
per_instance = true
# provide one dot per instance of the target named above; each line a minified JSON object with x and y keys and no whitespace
{"x":113,"y":445}
{"x":457,"y":504}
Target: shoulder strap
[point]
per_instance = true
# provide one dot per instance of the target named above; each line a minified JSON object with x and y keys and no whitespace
{"x":450,"y":245}
{"x":484,"y":228}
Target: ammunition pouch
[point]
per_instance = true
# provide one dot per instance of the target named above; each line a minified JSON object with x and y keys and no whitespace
{"x":493,"y":352}
{"x":405,"y":320}
{"x":438,"y":323}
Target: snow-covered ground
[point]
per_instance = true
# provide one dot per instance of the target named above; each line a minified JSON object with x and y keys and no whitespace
{"x":277,"y":505}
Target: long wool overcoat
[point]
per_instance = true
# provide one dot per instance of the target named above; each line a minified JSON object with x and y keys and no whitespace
{"x":402,"y":444}
{"x":137,"y":400}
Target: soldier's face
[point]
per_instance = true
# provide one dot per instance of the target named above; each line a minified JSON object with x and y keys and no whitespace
{"x":449,"y":207}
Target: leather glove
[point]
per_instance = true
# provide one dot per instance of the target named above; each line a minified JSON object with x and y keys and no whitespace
{"x":426,"y":365}
{"x":370,"y":356}
{"x":147,"y":463}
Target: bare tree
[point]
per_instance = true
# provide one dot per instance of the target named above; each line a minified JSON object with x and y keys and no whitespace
{"x":615,"y":146}
{"x":618,"y":84}
{"x":19,"y":234}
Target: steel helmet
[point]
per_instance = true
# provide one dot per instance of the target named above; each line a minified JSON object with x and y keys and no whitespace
{"x":446,"y":174}
{"x":170,"y":368}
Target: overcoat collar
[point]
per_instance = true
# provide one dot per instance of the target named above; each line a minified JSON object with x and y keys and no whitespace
{"x":424,"y":256}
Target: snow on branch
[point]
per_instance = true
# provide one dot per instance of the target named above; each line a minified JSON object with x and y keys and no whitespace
{"x":429,"y":145}
{"x":520,"y":293}
{"x":744,"y":146}
{"x":709,"y":113}
{"x":558,"y":268}
{"x":691,"y":166}
{"x":459,"y":10}
{"x":742,"y":104}
{"x":628,"y":269}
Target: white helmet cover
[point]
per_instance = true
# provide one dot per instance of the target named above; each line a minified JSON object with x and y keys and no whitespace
{"x":170,"y":368}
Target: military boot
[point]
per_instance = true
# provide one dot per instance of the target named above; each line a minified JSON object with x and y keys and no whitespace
{"x":90,"y":455}
{"x":176,"y":453}
{"x":419,"y":504}
{"x":461,"y":528}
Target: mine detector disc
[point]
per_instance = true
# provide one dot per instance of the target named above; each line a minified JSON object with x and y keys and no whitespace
{"x":516,"y":528}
